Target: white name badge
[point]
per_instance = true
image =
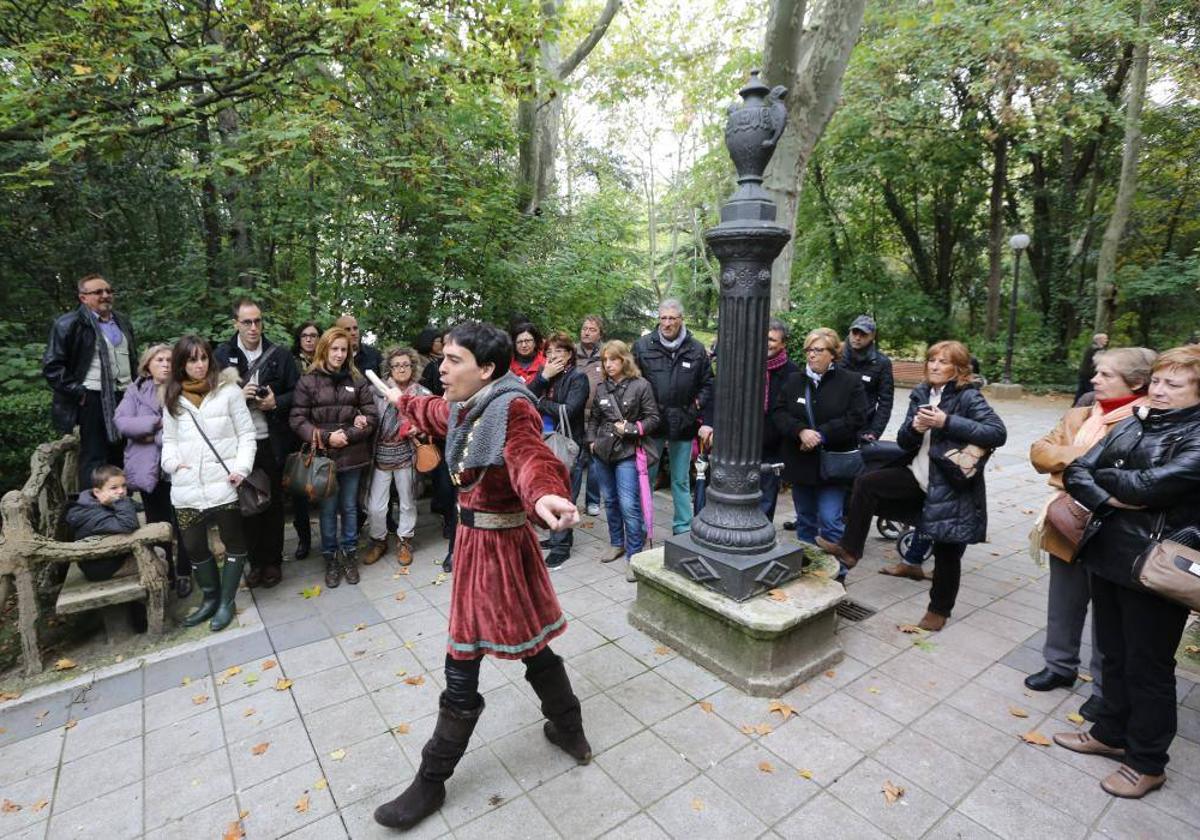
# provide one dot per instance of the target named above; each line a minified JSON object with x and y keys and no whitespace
{"x":866,"y":378}
{"x":801,"y":401}
{"x":350,"y":388}
{"x":603,"y":402}
{"x":687,"y":364}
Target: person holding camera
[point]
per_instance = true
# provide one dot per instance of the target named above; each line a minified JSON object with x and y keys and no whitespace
{"x":267,"y":376}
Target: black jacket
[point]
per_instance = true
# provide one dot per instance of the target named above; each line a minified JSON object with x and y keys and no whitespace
{"x":279,"y":373}
{"x":68,"y":356}
{"x":682,"y":382}
{"x":949,"y":514}
{"x":571,"y":389}
{"x":772,"y":439}
{"x":874,"y":370}
{"x":1152,"y":462}
{"x":631,"y":400}
{"x":431,"y":377}
{"x":839,"y":406}
{"x":367,"y":358}
{"x":88,"y":518}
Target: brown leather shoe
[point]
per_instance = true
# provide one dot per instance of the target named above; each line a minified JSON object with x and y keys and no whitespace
{"x":254,"y":577}
{"x":835,"y":549}
{"x":1128,"y":783}
{"x":377,"y":549}
{"x":904,"y":570}
{"x":271,"y":576}
{"x":1082,"y":742}
{"x":404,"y":552}
{"x":932,"y":622}
{"x":615,"y":552}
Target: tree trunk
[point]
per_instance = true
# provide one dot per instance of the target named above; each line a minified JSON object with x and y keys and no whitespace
{"x":996,"y":229}
{"x":1106,"y":288}
{"x":538,"y":115}
{"x":810,"y":63}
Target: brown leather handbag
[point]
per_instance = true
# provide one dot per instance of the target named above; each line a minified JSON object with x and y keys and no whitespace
{"x":426,"y":457}
{"x":1069,"y":520}
{"x":1169,"y":569}
{"x":310,"y":473}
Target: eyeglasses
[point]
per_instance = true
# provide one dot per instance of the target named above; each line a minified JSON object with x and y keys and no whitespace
{"x":525,"y":341}
{"x":251,"y":322}
{"x":105,"y":291}
{"x":310,"y":335}
{"x":669,"y":318}
{"x":400,"y":365}
{"x":816,"y":351}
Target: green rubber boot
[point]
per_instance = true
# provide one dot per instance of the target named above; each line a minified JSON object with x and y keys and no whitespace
{"x":208,"y":579}
{"x":231,"y":577}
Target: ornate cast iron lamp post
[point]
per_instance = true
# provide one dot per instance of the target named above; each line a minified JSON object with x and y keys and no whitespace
{"x":731,"y":548}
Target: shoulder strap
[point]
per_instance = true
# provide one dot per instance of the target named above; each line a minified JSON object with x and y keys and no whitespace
{"x":200,"y":429}
{"x":812,"y":421}
{"x":250,"y":371}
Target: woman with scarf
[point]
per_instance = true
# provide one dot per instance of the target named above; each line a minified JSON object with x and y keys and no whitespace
{"x":945,"y":412}
{"x":332,"y":403}
{"x":394,"y":462}
{"x":208,"y":447}
{"x":139,"y":417}
{"x":1120,"y":380}
{"x":528,"y":357}
{"x":502,"y":603}
{"x":820,"y":408}
{"x":779,"y":369}
{"x":304,"y":344}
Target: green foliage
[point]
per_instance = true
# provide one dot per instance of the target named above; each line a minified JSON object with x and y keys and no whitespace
{"x":25,"y":418}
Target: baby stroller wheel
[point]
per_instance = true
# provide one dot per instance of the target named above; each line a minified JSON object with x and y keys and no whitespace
{"x":905,"y":546}
{"x":888,"y":529}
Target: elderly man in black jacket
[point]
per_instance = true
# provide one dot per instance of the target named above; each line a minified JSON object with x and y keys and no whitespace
{"x":874,"y":370}
{"x":89,"y":361}
{"x":680,"y":373}
{"x":267,"y":374}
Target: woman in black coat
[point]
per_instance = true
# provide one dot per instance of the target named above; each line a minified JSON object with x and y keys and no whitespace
{"x":1141,"y":482}
{"x":945,"y":411}
{"x":819,"y":408}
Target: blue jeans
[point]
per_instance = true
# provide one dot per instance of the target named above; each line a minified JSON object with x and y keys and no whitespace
{"x":345,"y":503}
{"x":769,"y":483}
{"x":819,"y":510}
{"x":561,"y":541}
{"x":623,"y":510}
{"x":680,"y":454}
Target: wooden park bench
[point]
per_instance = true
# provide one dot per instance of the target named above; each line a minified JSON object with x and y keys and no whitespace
{"x":33,"y":544}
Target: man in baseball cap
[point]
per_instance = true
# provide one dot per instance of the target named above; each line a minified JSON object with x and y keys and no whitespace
{"x":863,"y":358}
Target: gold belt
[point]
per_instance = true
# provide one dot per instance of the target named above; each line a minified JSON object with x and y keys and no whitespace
{"x":487,"y":521}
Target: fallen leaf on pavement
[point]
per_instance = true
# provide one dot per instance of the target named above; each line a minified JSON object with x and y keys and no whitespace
{"x":401,"y":729}
{"x":259,"y":749}
{"x":408,"y":645}
{"x":251,"y":679}
{"x":1035,"y":737}
{"x":746,"y":729}
{"x":186,"y":681}
{"x":282,"y":684}
{"x":831,"y":673}
{"x":71,"y":724}
{"x":39,"y":805}
{"x":804,"y":774}
{"x":3,"y":729}
{"x":1075,"y":718}
{"x":311,"y":591}
{"x":302,"y":804}
{"x":1192,"y":650}
{"x":9,"y":807}
{"x":909,"y":628}
{"x":41,"y":714}
{"x":891,"y":793}
{"x":924,"y":644}
{"x":248,"y":712}
{"x":269,"y":664}
{"x":199,"y":699}
{"x":697,"y":804}
{"x":338,"y":754}
{"x":400,"y":596}
{"x":663,"y":650}
{"x":873,"y":690}
{"x":777,"y":595}
{"x":232,"y":671}
{"x":64,"y":664}
{"x":1017,"y":711}
{"x":1085,"y":677}
{"x":9,"y":695}
{"x":321,"y":784}
{"x":404,"y":570}
{"x":417,"y":680}
{"x":358,"y":653}
{"x":242,"y":814}
{"x":401,"y":672}
{"x":233,"y":831}
{"x":766,"y":767}
{"x":706,"y":706}
{"x":360,"y":626}
{"x":781,"y":708}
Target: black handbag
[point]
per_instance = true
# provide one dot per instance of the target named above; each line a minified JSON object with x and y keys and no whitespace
{"x":310,"y":474}
{"x":842,"y":467}
{"x":254,"y":493}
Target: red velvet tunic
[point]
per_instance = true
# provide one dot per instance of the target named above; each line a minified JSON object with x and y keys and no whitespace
{"x":501,"y":602}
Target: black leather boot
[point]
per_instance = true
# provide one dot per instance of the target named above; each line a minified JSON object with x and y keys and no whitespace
{"x":209,"y":580}
{"x":231,"y":578}
{"x":438,"y":759}
{"x":333,"y":570}
{"x":349,"y":560}
{"x":564,"y":720}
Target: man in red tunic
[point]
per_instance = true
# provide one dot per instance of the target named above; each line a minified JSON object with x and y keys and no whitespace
{"x":502,"y":602}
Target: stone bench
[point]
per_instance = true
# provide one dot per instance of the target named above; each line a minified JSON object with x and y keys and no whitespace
{"x":34,"y":544}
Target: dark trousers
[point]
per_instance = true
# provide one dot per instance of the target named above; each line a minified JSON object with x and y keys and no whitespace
{"x":896,"y":488}
{"x":264,"y":532}
{"x":462,"y":677}
{"x":229,"y":523}
{"x":1139,"y":633}
{"x":301,"y":520}
{"x":94,"y":448}
{"x":444,"y":501}
{"x":561,"y":541}
{"x":159,"y":509}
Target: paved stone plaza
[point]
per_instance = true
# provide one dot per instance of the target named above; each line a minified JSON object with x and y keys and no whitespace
{"x":175,"y":747}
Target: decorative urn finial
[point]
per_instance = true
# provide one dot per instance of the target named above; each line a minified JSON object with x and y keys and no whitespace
{"x":751,"y":134}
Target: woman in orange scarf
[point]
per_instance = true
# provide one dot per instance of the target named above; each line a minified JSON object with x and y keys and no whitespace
{"x":1120,"y":385}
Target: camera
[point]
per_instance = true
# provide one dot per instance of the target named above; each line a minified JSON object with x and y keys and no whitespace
{"x":261,"y":392}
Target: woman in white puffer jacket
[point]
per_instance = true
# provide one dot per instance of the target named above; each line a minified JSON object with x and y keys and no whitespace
{"x":203,"y":490}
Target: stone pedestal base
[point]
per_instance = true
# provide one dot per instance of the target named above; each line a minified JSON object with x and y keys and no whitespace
{"x":1003,"y":391}
{"x":762,"y":646}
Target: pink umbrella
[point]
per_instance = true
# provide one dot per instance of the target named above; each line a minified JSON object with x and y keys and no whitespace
{"x":646,"y":494}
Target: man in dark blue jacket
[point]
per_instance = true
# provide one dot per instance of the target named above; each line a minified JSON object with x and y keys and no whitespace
{"x":268,"y":375}
{"x":863,"y":358}
{"x":678,"y":369}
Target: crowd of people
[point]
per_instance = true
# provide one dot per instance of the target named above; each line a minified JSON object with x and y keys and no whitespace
{"x":185,"y":425}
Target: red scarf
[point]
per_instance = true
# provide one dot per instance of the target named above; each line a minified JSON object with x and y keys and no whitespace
{"x":773,"y":364}
{"x":1116,"y":402}
{"x":527,"y":372}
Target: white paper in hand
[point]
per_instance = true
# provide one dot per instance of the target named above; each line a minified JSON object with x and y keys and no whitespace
{"x":376,"y":382}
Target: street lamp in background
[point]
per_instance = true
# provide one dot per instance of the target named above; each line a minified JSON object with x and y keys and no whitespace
{"x":1018,"y":243}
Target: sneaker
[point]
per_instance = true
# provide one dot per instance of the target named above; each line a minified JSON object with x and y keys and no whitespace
{"x":593,"y":510}
{"x":556,"y":561}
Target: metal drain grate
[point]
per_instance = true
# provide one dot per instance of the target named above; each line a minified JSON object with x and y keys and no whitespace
{"x":854,"y":611}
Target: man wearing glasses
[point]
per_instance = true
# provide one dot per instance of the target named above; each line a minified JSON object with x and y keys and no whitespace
{"x":267,"y":374}
{"x":89,"y":362}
